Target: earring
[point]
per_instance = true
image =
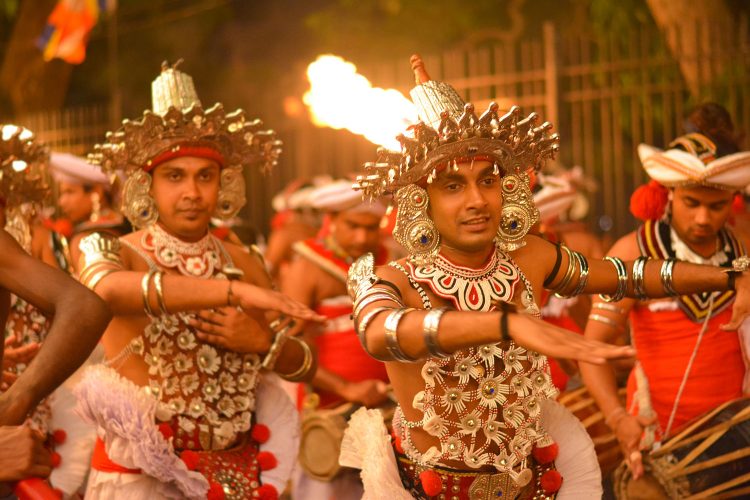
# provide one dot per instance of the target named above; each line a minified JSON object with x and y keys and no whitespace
{"x":231,"y":193}
{"x":519,"y":213}
{"x":414,"y":228}
{"x":137,"y":203}
{"x":96,"y":207}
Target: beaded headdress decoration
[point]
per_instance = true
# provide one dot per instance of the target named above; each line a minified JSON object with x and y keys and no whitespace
{"x":449,"y":131}
{"x":23,"y":167}
{"x":179,"y":126}
{"x":24,"y":185}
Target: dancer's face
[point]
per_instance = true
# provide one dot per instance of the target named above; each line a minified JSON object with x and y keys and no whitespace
{"x":356,"y":233}
{"x":699,"y":213}
{"x":465,"y":205}
{"x":75,"y":201}
{"x":186,"y":191}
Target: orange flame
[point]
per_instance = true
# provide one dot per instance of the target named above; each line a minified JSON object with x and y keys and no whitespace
{"x":341,"y":98}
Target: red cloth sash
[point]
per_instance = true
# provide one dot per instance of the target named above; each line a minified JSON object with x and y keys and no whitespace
{"x":100,"y":461}
{"x":665,"y":340}
{"x":341,"y":353}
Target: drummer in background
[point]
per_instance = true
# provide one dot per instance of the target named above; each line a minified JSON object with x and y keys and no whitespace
{"x":295,"y":220}
{"x":689,"y":356}
{"x":562,"y":204}
{"x":85,"y":198}
{"x":317,"y":278}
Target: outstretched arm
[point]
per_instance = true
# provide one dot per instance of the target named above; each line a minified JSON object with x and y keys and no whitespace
{"x":651,"y":279}
{"x":79,"y":318}
{"x":456,"y":330}
{"x":130,"y":292}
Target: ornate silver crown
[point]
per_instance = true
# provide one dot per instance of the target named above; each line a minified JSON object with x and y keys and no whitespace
{"x":179,"y":118}
{"x":450,"y":129}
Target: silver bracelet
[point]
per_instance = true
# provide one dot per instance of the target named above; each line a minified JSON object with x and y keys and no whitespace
{"x":606,"y":321}
{"x":368,"y":299}
{"x":608,"y":307}
{"x":639,"y":285}
{"x":391,"y":335}
{"x":622,"y":281}
{"x":568,"y":273}
{"x":269,"y":361}
{"x":667,"y":274}
{"x":430,"y":325}
{"x":361,"y":328}
{"x":583,"y":278}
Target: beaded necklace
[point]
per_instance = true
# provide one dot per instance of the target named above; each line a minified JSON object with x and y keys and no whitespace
{"x":198,"y":259}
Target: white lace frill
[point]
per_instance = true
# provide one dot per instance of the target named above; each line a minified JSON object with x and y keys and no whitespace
{"x":275,"y":410}
{"x":576,"y":461}
{"x":367,"y":446}
{"x":76,"y":451}
{"x":125,"y":417}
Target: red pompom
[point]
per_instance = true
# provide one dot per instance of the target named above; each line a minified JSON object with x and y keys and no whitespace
{"x":166,"y":431}
{"x":59,"y":436}
{"x":190,"y":458}
{"x":260,"y":433}
{"x":215,"y":492}
{"x":649,"y":201}
{"x":546,"y":454}
{"x":266,"y":460}
{"x":432,"y":483}
{"x":551,"y":481}
{"x":60,"y":493}
{"x":267,"y":492}
{"x":56,"y":459}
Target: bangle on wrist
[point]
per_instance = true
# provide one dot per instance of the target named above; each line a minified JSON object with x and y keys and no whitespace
{"x":505,"y":310}
{"x":307,"y":363}
{"x":269,"y":361}
{"x":230,"y":293}
{"x":159,"y":287}
{"x":145,"y":286}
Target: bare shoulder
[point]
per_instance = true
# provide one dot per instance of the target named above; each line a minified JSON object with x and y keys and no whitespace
{"x":250,"y":262}
{"x":536,"y":248}
{"x":584,"y":242}
{"x":626,"y":247}
{"x":127,"y":254}
{"x":394,"y":275}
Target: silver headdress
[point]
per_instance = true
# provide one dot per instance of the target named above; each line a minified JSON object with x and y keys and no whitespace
{"x":450,"y":129}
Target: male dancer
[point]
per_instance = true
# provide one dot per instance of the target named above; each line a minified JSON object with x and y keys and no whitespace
{"x":85,"y":197}
{"x":317,"y":278}
{"x":78,"y":316}
{"x":687,"y":362}
{"x":183,"y":409}
{"x":476,"y":419}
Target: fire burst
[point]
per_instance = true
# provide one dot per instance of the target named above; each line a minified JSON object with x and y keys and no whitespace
{"x":341,"y":98}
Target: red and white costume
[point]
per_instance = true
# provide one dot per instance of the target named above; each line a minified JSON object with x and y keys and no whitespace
{"x":686,"y":364}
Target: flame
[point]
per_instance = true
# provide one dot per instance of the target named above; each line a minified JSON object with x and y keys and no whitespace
{"x":341,"y":98}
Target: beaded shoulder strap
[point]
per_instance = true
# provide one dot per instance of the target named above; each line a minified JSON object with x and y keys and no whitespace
{"x":416,"y":286}
{"x":224,"y":252}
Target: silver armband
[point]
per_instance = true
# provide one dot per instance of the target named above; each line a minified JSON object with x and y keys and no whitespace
{"x":430,"y":325}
